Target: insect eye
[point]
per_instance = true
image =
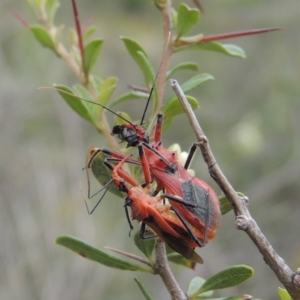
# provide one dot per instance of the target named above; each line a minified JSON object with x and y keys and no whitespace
{"x":117,"y":129}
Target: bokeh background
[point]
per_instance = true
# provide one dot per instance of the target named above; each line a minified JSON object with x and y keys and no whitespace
{"x":250,"y":114}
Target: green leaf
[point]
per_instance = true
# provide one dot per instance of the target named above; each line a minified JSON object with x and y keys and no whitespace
{"x":178,"y":259}
{"x":183,"y":66}
{"x":120,"y":121}
{"x":195,"y":81}
{"x":51,"y":8}
{"x":33,"y":6}
{"x":76,"y":104}
{"x":195,"y":284}
{"x":91,"y":54}
{"x":82,"y":92}
{"x":146,"y":245}
{"x":43,"y":36}
{"x":228,"y":49}
{"x":174,"y":107}
{"x":103,"y":174}
{"x":178,"y":245}
{"x":95,"y":254}
{"x":225,"y":205}
{"x":174,"y":16}
{"x":284,"y":295}
{"x":187,"y":18}
{"x":143,"y":289}
{"x":96,"y":82}
{"x":107,"y":88}
{"x":104,"y":90}
{"x":227,"y":278}
{"x":130,"y":96}
{"x":140,"y":57}
{"x":88,"y":32}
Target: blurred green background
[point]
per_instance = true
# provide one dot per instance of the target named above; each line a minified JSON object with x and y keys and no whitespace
{"x":250,"y":114}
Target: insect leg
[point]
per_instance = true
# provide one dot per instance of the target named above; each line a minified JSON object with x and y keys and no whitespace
{"x":142,"y":233}
{"x":188,"y":228}
{"x":158,"y":128}
{"x":179,"y":200}
{"x":105,"y":188}
{"x":190,"y":155}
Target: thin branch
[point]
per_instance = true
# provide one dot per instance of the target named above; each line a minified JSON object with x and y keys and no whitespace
{"x":243,"y":220}
{"x":162,"y":268}
{"x":166,"y":55}
{"x":130,"y":255}
{"x":80,"y":40}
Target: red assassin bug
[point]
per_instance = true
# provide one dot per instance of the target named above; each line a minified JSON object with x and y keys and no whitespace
{"x":162,"y":165}
{"x":164,"y":220}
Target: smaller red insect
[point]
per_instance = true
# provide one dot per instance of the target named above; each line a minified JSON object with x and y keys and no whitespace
{"x":163,"y":219}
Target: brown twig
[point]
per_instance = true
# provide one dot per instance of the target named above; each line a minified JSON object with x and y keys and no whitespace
{"x":243,"y":219}
{"x":162,"y":268}
{"x":130,"y":255}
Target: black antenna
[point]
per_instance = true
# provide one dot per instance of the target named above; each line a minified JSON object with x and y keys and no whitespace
{"x":150,"y":94}
{"x":155,"y":79}
{"x":75,"y":96}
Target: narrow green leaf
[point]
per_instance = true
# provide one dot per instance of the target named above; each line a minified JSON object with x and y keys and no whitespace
{"x":33,"y":6}
{"x":195,"y":81}
{"x":51,"y":8}
{"x":174,"y":16}
{"x":194,"y":285}
{"x":103,"y":174}
{"x":146,"y":68}
{"x":174,"y":107}
{"x":107,"y":88}
{"x":91,"y":54}
{"x":130,"y":96}
{"x":140,"y":57}
{"x":146,"y":245}
{"x":93,"y":108}
{"x":166,"y":124}
{"x":88,"y":32}
{"x":43,"y":36}
{"x":187,"y":18}
{"x":178,"y":259}
{"x":284,"y":295}
{"x":96,"y":82}
{"x":95,"y":254}
{"x":120,"y":121}
{"x":143,"y":289}
{"x":183,"y":66}
{"x":225,"y":205}
{"x":227,"y":278}
{"x":228,"y":49}
{"x":76,"y":104}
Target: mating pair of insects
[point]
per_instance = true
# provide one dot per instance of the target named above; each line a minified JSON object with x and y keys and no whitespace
{"x":190,"y":218}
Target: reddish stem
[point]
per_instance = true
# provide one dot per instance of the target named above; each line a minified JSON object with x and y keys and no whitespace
{"x":229,"y":35}
{"x":20,"y":19}
{"x":80,"y":40}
